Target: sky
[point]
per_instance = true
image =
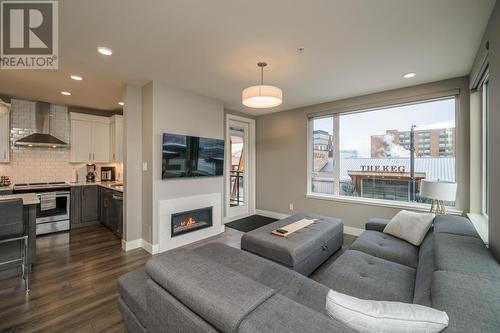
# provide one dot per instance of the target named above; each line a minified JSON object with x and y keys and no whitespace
{"x":356,"y":129}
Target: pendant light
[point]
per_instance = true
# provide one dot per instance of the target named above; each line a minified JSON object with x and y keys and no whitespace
{"x":262,"y":96}
{"x":4,"y":108}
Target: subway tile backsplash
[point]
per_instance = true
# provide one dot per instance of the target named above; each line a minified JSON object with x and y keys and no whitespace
{"x":41,"y":164}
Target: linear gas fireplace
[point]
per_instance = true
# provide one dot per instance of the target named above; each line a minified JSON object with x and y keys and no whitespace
{"x":191,"y":220}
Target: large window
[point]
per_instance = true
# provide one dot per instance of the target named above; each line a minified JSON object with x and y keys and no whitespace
{"x":384,"y":153}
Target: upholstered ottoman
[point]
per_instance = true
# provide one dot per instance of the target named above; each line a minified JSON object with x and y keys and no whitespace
{"x":304,"y":250}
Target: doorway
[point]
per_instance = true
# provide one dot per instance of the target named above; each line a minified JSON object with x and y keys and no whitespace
{"x":240,"y":167}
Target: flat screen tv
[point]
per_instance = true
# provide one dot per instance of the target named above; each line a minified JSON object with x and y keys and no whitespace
{"x":191,"y":156}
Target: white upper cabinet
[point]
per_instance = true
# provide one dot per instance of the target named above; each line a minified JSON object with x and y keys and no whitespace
{"x":90,"y":138}
{"x":116,"y":142}
{"x":5,"y":138}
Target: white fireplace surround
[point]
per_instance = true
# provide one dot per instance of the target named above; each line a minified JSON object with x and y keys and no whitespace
{"x":178,"y":205}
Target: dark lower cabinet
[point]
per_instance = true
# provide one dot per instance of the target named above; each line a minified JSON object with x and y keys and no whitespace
{"x":111,"y":210}
{"x":93,"y":204}
{"x":90,"y":203}
{"x":84,"y":205}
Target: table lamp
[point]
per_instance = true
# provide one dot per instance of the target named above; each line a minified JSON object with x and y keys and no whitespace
{"x":439,"y":192}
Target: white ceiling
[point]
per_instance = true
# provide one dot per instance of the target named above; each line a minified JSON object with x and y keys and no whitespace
{"x":352,"y":47}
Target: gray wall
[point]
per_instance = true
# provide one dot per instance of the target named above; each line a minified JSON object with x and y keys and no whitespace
{"x":282,"y":149}
{"x":147,"y":158}
{"x":168,"y":109}
{"x":132,"y":163}
{"x":492,"y":35}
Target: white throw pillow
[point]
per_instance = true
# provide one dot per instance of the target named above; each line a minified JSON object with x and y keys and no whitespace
{"x":410,"y":226}
{"x":368,"y":316}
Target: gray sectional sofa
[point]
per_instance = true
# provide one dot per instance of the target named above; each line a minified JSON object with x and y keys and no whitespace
{"x":216,"y":288}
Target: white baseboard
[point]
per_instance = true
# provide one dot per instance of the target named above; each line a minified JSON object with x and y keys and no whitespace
{"x":347,"y":230}
{"x":268,"y":213}
{"x":151,"y":248}
{"x":131,"y":245}
{"x":233,"y":218}
{"x":139,"y":243}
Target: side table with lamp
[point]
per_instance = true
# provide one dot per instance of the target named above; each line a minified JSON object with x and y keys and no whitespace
{"x":439,"y":192}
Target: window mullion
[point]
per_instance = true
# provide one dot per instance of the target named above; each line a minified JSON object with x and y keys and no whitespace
{"x":336,"y":154}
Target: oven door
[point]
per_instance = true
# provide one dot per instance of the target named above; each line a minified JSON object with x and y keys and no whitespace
{"x":59,"y":213}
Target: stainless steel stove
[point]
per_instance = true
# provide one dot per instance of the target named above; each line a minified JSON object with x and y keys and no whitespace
{"x":53,"y":211}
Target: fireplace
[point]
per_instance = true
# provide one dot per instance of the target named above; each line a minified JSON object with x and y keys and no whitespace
{"x":191,"y":220}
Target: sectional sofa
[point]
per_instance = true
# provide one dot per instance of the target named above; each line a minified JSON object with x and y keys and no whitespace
{"x":216,"y":288}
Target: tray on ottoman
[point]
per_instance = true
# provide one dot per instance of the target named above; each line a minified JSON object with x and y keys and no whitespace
{"x":304,"y":250}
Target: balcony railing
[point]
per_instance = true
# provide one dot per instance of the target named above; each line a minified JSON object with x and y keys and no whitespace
{"x":236,"y":182}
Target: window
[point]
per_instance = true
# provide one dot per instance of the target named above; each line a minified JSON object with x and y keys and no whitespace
{"x":485,"y":144}
{"x":367,"y":154}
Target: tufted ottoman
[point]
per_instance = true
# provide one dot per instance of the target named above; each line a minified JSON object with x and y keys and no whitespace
{"x":304,"y":250}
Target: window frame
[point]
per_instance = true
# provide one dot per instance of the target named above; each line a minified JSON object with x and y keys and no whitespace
{"x":369,"y":201}
{"x":484,"y":88}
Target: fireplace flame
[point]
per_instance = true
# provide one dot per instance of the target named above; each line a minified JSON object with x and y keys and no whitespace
{"x":188,"y":222}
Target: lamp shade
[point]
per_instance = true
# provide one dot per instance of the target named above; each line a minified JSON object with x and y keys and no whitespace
{"x":438,"y":190}
{"x":262,"y":96}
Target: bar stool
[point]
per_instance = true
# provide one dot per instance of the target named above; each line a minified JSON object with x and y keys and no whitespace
{"x":13,"y":229}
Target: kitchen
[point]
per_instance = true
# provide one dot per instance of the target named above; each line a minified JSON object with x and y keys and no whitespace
{"x":70,"y":158}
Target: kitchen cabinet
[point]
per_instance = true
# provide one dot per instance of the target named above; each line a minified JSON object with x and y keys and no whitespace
{"x":5,"y":138}
{"x":76,"y":205}
{"x":90,"y":204}
{"x":90,"y":138}
{"x":111,"y":210}
{"x":116,"y":140}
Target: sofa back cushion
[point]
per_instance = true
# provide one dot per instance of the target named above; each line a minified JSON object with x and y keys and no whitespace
{"x":471,"y":302}
{"x":425,"y":269}
{"x":464,"y":254}
{"x":285,"y":281}
{"x":214,"y":292}
{"x":281,"y":314}
{"x":453,"y":224}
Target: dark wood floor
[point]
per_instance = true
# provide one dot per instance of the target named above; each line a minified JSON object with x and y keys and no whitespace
{"x":73,"y":284}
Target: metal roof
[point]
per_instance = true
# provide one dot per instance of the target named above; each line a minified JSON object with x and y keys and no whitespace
{"x":442,"y":168}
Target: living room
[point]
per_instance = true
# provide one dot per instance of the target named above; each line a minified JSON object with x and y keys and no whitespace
{"x":286,"y":167}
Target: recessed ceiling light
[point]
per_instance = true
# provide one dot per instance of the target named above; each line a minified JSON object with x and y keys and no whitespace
{"x":66,"y":93}
{"x":76,"y":77}
{"x":121,"y":103}
{"x":409,"y":75}
{"x":104,"y":51}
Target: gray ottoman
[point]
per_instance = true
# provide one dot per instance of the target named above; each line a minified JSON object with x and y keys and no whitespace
{"x":304,"y":250}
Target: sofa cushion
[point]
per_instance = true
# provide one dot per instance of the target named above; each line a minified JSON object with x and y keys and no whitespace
{"x":453,"y":224}
{"x":364,"y":276}
{"x":471,"y":302}
{"x":281,"y":314}
{"x":410,"y":226}
{"x":293,"y":249}
{"x":220,"y":295}
{"x":130,"y":319}
{"x":463,"y":254}
{"x":285,"y":281}
{"x":425,"y":269}
{"x":387,"y":247}
{"x":132,"y":289}
{"x":369,"y":316}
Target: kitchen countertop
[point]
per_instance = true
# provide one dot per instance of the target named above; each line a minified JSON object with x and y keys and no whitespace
{"x":28,"y":198}
{"x":106,"y":184}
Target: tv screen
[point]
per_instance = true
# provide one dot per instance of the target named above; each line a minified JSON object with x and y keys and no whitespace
{"x":191,"y":156}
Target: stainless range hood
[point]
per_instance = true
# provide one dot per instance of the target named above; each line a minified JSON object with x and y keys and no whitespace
{"x":42,"y":137}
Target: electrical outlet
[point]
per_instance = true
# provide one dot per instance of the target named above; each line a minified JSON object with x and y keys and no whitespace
{"x":291,"y":206}
{"x":144,"y":166}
